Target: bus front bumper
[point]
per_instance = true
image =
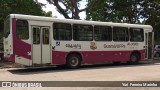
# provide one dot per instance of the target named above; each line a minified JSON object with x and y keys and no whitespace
{"x":9,"y":58}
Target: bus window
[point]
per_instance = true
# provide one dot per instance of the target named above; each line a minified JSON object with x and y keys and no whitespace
{"x":22,"y":29}
{"x":120,"y":34}
{"x":36,"y":35}
{"x":7,"y":27}
{"x":62,"y":31}
{"x":82,"y":32}
{"x":136,"y":34}
{"x":103,"y":33}
{"x":45,"y":36}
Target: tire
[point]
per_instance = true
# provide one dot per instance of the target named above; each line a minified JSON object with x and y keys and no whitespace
{"x":73,"y":61}
{"x":134,"y":58}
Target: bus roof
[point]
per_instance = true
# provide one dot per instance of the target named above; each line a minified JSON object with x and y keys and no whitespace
{"x":52,"y":19}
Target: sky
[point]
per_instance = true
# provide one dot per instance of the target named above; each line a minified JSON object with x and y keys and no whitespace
{"x":55,"y":13}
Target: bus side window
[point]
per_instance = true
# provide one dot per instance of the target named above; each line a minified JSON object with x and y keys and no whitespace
{"x":7,"y":27}
{"x":136,"y":34}
{"x":103,"y":33}
{"x":120,"y":34}
{"x":82,"y":32}
{"x":62,"y":31}
{"x":22,"y":29}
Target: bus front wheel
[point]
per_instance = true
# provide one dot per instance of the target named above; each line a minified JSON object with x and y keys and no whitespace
{"x":134,"y":58}
{"x":73,"y":61}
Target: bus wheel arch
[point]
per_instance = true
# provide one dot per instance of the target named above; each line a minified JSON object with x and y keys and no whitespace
{"x":73,"y":60}
{"x":135,"y":57}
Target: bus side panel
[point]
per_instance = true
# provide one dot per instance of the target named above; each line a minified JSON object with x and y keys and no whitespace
{"x":20,"y":48}
{"x":122,"y":56}
{"x":97,"y":56}
{"x":58,"y":57}
{"x":91,"y":57}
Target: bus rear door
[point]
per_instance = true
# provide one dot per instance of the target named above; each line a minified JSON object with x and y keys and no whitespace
{"x":149,"y":39}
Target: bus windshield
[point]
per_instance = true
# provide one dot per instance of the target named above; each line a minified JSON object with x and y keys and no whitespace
{"x":7,"y":27}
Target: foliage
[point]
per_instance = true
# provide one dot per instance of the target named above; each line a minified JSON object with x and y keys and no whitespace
{"x":150,"y":12}
{"x":29,"y":7}
{"x":19,"y":7}
{"x":47,"y":14}
{"x":66,"y":7}
{"x":113,"y":10}
{"x":126,"y":11}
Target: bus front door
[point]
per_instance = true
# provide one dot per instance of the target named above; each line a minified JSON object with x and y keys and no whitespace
{"x":41,"y":53}
{"x":149,"y":45}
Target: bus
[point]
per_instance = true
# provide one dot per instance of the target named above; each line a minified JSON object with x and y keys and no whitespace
{"x":37,"y":40}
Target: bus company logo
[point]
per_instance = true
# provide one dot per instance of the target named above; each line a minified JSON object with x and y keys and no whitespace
{"x":114,"y":46}
{"x":93,"y":45}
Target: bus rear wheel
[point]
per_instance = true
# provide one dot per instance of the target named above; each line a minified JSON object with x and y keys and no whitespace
{"x":73,"y":61}
{"x":134,"y":58}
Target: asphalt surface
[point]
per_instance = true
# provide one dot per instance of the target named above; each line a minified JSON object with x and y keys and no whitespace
{"x":144,"y":71}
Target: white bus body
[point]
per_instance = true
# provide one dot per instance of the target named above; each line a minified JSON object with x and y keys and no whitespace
{"x":31,"y":40}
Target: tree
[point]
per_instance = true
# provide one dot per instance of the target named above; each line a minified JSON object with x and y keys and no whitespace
{"x":20,"y":7}
{"x":113,"y":10}
{"x":126,"y":11}
{"x":96,"y":10}
{"x":29,"y":7}
{"x":150,"y":13}
{"x":48,"y":14}
{"x":70,"y":6}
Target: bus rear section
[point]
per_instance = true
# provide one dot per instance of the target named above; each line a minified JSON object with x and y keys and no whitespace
{"x":35,"y":41}
{"x":25,"y":39}
{"x":7,"y":40}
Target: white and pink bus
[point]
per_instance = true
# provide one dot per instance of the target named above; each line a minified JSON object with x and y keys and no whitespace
{"x":36,"y":40}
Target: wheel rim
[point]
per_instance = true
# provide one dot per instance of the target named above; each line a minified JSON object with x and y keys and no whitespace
{"x":133,"y":58}
{"x":74,"y":61}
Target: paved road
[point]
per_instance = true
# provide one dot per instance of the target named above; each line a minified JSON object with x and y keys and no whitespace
{"x":146,"y":71}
